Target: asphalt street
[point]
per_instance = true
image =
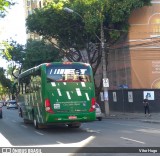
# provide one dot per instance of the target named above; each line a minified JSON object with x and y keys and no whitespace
{"x":113,"y":133}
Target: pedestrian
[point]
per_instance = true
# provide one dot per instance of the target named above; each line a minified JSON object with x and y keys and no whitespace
{"x":146,"y":106}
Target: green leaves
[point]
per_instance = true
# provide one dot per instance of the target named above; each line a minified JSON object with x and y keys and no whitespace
{"x":5,"y":82}
{"x":3,"y":5}
{"x":38,"y":52}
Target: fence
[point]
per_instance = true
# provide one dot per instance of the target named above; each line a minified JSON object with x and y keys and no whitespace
{"x":131,"y":100}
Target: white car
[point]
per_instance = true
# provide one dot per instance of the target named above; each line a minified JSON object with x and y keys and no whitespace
{"x":98,"y":112}
{"x":12,"y":104}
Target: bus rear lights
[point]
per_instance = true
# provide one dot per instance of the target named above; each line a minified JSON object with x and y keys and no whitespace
{"x":92,"y":108}
{"x":48,"y":64}
{"x":48,"y":106}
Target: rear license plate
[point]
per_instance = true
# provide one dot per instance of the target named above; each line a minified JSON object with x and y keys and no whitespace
{"x":72,"y":117}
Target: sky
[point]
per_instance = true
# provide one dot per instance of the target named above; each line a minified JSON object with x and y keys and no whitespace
{"x":14,"y":24}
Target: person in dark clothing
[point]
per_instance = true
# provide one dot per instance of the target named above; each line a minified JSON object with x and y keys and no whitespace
{"x":146,"y":106}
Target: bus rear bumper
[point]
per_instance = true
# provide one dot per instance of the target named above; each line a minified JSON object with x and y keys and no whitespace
{"x":70,"y":118}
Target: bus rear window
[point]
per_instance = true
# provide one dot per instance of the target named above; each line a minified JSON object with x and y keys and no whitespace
{"x":68,"y":73}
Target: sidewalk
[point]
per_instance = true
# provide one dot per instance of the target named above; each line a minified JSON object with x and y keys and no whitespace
{"x":154,"y":118}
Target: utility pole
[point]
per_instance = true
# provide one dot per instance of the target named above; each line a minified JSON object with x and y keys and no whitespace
{"x":104,"y":70}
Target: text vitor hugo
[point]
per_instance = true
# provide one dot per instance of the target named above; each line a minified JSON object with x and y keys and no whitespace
{"x":148,"y":150}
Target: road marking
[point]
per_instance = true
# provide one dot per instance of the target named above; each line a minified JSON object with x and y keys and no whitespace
{"x":132,"y":140}
{"x":129,"y":125}
{"x":59,"y":142}
{"x":39,"y":133}
{"x":24,"y":126}
{"x":4,"y":141}
{"x":13,"y":121}
{"x":153,"y":131}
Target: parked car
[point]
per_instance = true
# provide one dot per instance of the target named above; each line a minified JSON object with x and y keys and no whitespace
{"x":5,"y":102}
{"x":12,"y":104}
{"x":1,"y":105}
{"x":2,"y":102}
{"x":98,"y":112}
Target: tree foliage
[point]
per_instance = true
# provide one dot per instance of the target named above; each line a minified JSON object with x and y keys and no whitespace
{"x":33,"y":53}
{"x":37,"y":52}
{"x":4,"y":4}
{"x":5,"y":83}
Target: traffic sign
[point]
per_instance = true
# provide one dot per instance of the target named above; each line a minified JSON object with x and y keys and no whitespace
{"x":105,"y":82}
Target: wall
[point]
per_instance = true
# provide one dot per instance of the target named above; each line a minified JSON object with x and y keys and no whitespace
{"x":144,"y":39}
{"x":122,"y":100}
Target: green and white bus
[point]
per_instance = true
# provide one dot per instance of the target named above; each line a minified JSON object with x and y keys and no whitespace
{"x":57,"y":93}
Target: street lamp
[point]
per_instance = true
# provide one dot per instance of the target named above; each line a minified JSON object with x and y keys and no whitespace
{"x":72,"y":11}
{"x":104,"y":69}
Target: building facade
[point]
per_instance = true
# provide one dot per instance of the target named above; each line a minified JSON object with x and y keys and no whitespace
{"x":30,"y":5}
{"x":136,"y":62}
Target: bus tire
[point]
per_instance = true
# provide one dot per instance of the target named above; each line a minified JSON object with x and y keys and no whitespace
{"x":74,"y":125}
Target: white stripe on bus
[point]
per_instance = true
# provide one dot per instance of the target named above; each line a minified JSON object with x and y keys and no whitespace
{"x":83,"y":84}
{"x":50,"y":72}
{"x":38,"y":118}
{"x":68,"y":94}
{"x":53,"y":84}
{"x":78,"y":92}
{"x":29,"y":116}
{"x":87,"y":96}
{"x":64,"y":83}
{"x":59,"y":92}
{"x":41,"y":96}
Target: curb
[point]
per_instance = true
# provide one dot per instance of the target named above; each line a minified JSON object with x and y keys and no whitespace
{"x":140,"y":118}
{"x":151,"y":121}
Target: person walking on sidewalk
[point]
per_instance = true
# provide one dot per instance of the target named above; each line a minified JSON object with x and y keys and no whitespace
{"x":146,"y":106}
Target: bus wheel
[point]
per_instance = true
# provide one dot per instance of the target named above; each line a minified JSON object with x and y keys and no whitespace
{"x":74,"y":125}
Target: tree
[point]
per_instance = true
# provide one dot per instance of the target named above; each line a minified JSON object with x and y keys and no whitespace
{"x":81,"y":30}
{"x":37,"y":52}
{"x":25,"y":57}
{"x":33,"y":53}
{"x":4,"y":4}
{"x":5,"y":82}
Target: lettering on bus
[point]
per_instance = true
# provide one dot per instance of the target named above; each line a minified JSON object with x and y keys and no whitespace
{"x":68,"y":75}
{"x":68,"y":71}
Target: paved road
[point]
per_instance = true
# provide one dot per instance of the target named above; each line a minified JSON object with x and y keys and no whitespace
{"x":105,"y":133}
